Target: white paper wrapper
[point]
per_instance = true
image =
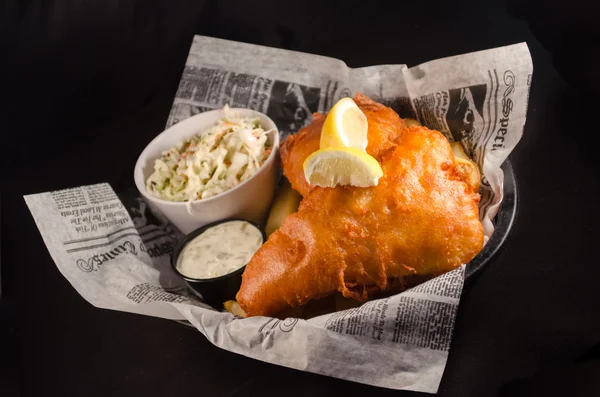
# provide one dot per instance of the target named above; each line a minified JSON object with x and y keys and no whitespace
{"x":115,"y":252}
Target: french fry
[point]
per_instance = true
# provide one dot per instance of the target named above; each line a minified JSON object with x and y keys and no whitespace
{"x":465,"y":166}
{"x":458,"y":151}
{"x":234,"y":308}
{"x":286,"y":202}
{"x":411,"y":122}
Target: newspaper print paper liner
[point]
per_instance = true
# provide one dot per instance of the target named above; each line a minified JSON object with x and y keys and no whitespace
{"x":119,"y":260}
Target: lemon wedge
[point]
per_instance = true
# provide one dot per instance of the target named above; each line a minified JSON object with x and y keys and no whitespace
{"x":345,"y":126}
{"x":342,"y":166}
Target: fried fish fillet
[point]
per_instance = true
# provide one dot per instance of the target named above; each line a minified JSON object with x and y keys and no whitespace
{"x":384,"y":128}
{"x":420,"y":221}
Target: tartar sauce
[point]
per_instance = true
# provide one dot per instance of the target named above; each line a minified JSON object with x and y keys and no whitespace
{"x":220,"y":250}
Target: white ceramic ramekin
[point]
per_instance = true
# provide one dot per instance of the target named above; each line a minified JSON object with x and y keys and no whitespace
{"x":248,"y":200}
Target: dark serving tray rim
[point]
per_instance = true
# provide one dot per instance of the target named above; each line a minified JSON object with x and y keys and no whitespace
{"x":504,"y":223}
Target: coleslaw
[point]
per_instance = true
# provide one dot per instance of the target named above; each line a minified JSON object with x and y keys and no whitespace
{"x":211,"y":162}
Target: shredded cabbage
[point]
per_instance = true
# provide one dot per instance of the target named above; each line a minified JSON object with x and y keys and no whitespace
{"x":211,"y":162}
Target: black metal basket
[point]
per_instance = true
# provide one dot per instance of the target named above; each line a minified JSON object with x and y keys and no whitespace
{"x":503,"y":225}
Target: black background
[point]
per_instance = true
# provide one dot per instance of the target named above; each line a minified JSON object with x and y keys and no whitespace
{"x":85,"y":85}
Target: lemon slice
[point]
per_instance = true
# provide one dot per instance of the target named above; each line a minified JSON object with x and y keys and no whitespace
{"x":342,"y":166}
{"x":345,"y":126}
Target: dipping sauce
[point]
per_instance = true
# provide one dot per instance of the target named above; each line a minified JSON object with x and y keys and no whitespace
{"x":220,"y":250}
